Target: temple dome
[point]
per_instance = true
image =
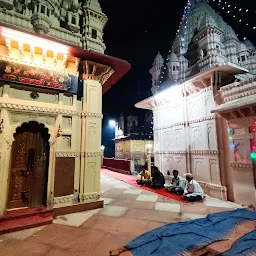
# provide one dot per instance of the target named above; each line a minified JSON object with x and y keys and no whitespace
{"x":94,"y":5}
{"x":74,"y":5}
{"x":173,"y":56}
{"x":159,"y":60}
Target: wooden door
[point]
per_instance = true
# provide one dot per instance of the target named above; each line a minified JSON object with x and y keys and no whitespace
{"x":29,"y":167}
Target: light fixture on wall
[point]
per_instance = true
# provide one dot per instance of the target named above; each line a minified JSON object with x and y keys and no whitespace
{"x":1,"y":126}
{"x":59,"y":132}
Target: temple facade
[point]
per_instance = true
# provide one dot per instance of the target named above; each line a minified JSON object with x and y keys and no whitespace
{"x":53,"y":73}
{"x":134,"y":139}
{"x":204,"y":106}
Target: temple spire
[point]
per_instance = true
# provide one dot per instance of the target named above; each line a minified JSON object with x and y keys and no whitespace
{"x":194,"y":2}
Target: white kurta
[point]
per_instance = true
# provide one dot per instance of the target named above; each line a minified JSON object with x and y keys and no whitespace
{"x":194,"y":189}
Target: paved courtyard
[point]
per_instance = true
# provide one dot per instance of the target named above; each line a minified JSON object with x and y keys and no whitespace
{"x":128,"y":212}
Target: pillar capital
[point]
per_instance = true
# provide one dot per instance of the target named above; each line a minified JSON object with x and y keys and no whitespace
{"x":94,"y":71}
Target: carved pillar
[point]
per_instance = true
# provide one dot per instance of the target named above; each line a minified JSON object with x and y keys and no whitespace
{"x":51,"y":171}
{"x":21,"y":49}
{"x":44,"y":56}
{"x":32,"y":53}
{"x":6,"y":141}
{"x":93,"y":76}
{"x":8,"y":46}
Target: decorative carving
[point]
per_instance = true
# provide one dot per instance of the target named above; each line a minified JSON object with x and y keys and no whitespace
{"x":68,"y":154}
{"x":214,"y":172}
{"x":203,"y":119}
{"x":35,"y":64}
{"x":88,"y":114}
{"x":21,"y":146}
{"x":17,"y":187}
{"x":68,"y":100}
{"x":92,"y":154}
{"x":8,"y":46}
{"x":38,"y":109}
{"x":64,"y":199}
{"x":66,"y":141}
{"x":170,"y":126}
{"x":211,"y":137}
{"x":9,"y":140}
{"x":18,"y":117}
{"x":94,"y":71}
{"x":52,"y":141}
{"x":87,"y":197}
{"x":206,"y":186}
{"x":205,"y":152}
{"x":67,"y":123}
{"x":241,"y":165}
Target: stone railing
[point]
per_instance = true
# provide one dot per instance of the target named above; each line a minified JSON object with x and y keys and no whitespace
{"x":118,"y":165}
{"x":238,"y":90}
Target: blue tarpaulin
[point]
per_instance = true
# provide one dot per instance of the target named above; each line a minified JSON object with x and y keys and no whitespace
{"x":177,"y":238}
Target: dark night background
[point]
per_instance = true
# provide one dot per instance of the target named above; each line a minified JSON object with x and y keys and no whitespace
{"x":135,"y":31}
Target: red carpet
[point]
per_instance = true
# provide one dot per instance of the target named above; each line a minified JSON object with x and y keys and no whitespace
{"x":131,"y":180}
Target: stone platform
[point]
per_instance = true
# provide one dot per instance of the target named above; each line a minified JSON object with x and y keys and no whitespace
{"x":127,"y":213}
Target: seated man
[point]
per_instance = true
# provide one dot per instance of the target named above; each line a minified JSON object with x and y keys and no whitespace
{"x":158,"y":179}
{"x":145,"y":178}
{"x":193,"y":191}
{"x":177,"y":185}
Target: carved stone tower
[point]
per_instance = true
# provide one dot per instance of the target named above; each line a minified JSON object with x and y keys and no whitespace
{"x":173,"y":66}
{"x":155,"y":71}
{"x":95,"y":21}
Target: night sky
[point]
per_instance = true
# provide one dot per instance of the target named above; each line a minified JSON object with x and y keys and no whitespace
{"x":136,"y":30}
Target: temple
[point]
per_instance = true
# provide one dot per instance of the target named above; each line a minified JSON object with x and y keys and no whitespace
{"x":134,"y":139}
{"x":204,"y":106}
{"x":53,"y":73}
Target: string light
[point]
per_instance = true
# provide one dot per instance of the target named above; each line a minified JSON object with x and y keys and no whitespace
{"x":235,"y":11}
{"x":232,"y":146}
{"x":253,"y":153}
{"x":224,"y":6}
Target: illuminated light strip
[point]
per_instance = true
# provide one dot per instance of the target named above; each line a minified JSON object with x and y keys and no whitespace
{"x":36,"y":64}
{"x":33,"y":40}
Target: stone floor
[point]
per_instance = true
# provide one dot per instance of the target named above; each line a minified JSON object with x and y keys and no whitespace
{"x":128,"y":212}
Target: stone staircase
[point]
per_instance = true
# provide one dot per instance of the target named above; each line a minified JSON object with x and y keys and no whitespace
{"x":16,"y":220}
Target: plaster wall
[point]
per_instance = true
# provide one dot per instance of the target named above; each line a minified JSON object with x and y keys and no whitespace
{"x":240,"y":162}
{"x":186,"y":138}
{"x":74,"y":126}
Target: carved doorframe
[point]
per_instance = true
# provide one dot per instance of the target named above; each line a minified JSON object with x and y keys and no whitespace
{"x":9,"y":139}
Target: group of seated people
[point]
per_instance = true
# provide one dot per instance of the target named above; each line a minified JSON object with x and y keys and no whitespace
{"x":189,"y":189}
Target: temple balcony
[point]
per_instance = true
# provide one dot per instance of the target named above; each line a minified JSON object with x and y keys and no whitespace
{"x":238,"y":100}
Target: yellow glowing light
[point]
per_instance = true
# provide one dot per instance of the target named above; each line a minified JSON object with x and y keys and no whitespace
{"x":33,"y":40}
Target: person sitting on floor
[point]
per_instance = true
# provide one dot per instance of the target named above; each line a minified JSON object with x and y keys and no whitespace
{"x":193,"y":191}
{"x":158,"y":180}
{"x":177,"y":185}
{"x":145,"y":177}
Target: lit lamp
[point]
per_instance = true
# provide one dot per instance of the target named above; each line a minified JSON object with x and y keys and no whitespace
{"x":59,"y":132}
{"x":112,"y":123}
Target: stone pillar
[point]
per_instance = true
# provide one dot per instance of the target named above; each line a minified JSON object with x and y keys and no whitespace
{"x":93,"y":76}
{"x":6,"y":141}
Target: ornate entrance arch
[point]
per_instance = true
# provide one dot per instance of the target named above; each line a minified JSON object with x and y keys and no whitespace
{"x":29,"y":166}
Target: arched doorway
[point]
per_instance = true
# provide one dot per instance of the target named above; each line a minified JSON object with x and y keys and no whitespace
{"x":29,"y":166}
